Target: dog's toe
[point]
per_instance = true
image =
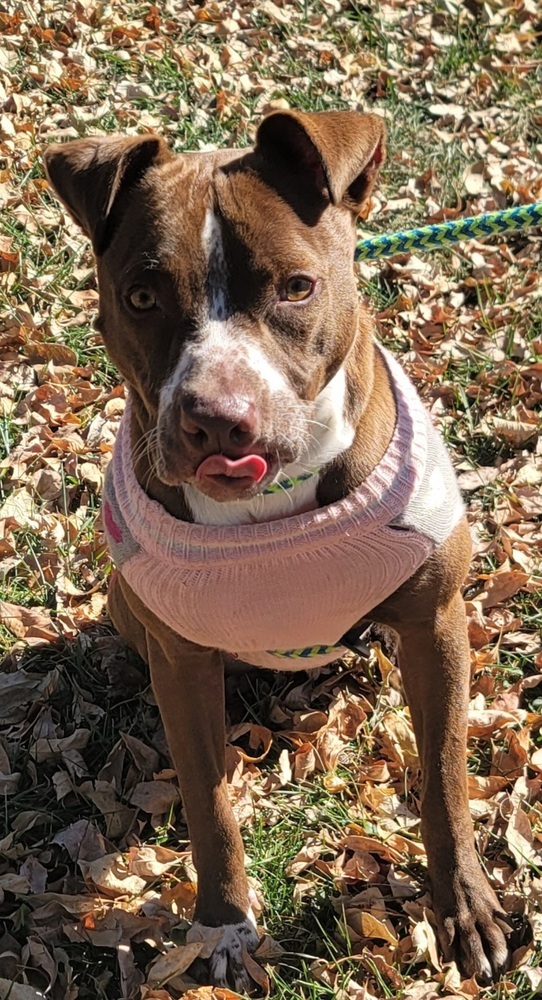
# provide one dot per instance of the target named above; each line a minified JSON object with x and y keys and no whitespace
{"x":226,"y":963}
{"x":473,"y":930}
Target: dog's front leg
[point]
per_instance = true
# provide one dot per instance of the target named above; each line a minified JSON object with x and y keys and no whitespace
{"x":188,"y":683}
{"x":189,"y":690}
{"x":434,"y":660}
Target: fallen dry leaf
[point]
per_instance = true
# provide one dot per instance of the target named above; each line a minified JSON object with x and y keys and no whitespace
{"x":502,"y":585}
{"x":425,"y":942}
{"x":211,"y":993}
{"x":256,"y":973}
{"x":149,"y":861}
{"x":174,"y":962}
{"x":110,"y":874}
{"x":367,"y":926}
{"x":155,"y":797}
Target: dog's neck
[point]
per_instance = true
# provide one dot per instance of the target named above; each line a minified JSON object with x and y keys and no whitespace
{"x":345,"y":447}
{"x":332,"y":434}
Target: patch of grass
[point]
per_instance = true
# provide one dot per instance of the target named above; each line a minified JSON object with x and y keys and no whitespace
{"x":9,"y":436}
{"x":91,"y":353}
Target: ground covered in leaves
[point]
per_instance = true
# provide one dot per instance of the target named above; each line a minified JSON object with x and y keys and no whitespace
{"x":96,"y":882}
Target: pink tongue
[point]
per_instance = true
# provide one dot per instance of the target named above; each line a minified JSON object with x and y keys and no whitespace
{"x":249,"y":467}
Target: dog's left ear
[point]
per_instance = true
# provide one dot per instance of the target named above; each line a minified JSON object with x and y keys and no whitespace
{"x":90,"y":174}
{"x":334,"y":153}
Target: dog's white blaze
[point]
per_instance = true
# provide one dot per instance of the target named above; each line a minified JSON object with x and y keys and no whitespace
{"x":220,"y":343}
{"x":331,"y":434}
{"x":220,"y":335}
{"x":257,"y":360}
{"x":212,"y":348}
{"x":169,"y":389}
{"x":215,"y":344}
{"x":211,"y":239}
{"x":221,"y":346}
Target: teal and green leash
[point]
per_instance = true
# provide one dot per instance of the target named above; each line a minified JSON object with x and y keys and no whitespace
{"x":442,"y":234}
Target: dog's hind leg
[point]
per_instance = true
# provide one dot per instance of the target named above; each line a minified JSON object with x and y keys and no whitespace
{"x":130,"y":629}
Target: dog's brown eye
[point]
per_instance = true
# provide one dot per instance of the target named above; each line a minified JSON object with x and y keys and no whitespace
{"x":141,"y":298}
{"x":298,"y":288}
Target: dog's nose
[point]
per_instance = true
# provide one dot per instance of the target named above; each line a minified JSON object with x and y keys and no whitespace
{"x":221,"y":424}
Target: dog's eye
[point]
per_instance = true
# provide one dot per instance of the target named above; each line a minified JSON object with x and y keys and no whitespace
{"x":297,"y":288}
{"x":141,"y":298}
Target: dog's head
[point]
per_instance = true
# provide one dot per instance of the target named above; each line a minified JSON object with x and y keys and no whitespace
{"x":227,"y":290}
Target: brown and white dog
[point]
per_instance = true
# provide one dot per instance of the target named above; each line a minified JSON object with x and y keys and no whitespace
{"x":228,"y":302}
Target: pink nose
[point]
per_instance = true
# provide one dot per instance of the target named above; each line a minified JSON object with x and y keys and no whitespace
{"x":219,"y":424}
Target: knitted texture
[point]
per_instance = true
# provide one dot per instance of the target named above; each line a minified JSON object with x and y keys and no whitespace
{"x":299,"y":581}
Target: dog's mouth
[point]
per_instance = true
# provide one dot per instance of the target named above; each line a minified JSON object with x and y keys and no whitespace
{"x":224,"y":478}
{"x":236,"y":474}
{"x":253,"y":467}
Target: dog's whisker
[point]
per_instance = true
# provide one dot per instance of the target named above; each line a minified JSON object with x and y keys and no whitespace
{"x":317,"y":423}
{"x":144,"y":443}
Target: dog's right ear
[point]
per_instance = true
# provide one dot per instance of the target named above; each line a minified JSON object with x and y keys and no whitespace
{"x":89,"y":174}
{"x":335,"y":154}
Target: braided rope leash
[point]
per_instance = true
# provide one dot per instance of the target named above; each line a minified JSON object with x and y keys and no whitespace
{"x":442,"y":234}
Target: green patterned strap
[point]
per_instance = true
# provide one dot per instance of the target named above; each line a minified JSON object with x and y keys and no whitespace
{"x":441,"y":235}
{"x":354,"y":640}
{"x":288,"y":482}
{"x":307,"y":652}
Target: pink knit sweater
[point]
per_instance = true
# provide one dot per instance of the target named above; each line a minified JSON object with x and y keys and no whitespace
{"x":264,"y":592}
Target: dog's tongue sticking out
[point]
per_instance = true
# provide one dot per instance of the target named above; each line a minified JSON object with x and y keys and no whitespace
{"x":248,"y":467}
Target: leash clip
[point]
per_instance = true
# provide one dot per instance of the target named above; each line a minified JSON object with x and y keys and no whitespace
{"x":355,"y":642}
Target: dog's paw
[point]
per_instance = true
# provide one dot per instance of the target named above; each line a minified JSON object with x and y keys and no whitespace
{"x":225,"y":961}
{"x":472,"y":927}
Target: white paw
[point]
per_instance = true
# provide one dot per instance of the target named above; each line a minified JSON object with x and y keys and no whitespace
{"x":226,"y":964}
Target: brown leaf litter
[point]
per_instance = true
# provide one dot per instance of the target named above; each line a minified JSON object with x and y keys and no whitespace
{"x":87,"y":882}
